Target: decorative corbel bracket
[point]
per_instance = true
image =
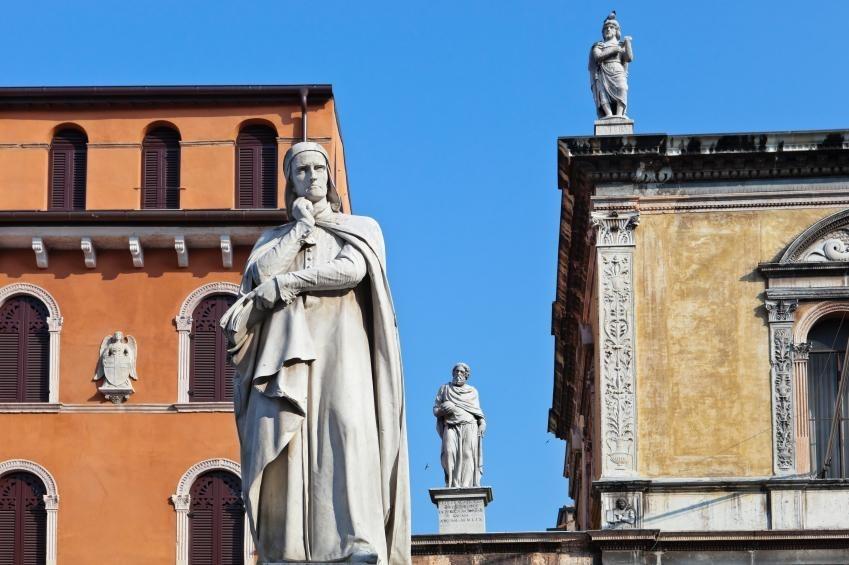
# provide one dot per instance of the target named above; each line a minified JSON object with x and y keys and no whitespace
{"x":226,"y":252}
{"x":89,"y":252}
{"x":40,"y":252}
{"x":137,"y":252}
{"x":182,"y":251}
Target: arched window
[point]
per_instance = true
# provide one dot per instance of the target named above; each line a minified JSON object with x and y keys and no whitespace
{"x":256,"y":167}
{"x":216,"y":520}
{"x":828,"y":339}
{"x":23,"y":519}
{"x":24,"y":350}
{"x":161,"y":168}
{"x":211,"y":373}
{"x":68,"y":170}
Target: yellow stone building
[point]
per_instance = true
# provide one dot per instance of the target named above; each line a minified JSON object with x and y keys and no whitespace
{"x":700,"y":331}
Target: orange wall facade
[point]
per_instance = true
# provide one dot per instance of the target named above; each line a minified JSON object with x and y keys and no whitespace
{"x":117,"y":466}
{"x":207,"y":167}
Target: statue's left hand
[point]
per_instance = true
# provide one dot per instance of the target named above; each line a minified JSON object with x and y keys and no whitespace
{"x":482,"y":427}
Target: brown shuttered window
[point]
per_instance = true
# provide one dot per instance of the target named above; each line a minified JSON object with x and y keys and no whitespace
{"x":68,"y":170}
{"x":24,"y":350}
{"x":216,"y":519}
{"x":161,"y":169}
{"x":211,"y":376}
{"x":256,"y":167}
{"x":23,"y":520}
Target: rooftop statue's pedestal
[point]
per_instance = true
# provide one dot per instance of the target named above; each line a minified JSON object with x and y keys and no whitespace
{"x":461,"y":509}
{"x":614,"y":125}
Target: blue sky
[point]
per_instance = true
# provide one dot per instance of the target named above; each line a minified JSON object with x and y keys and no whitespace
{"x":450,"y":113}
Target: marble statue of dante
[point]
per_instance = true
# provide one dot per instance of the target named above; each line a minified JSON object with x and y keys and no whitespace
{"x":319,"y":396}
{"x":461,"y":425}
{"x":609,"y":70}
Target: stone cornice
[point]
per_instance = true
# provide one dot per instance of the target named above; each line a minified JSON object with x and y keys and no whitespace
{"x":662,"y":158}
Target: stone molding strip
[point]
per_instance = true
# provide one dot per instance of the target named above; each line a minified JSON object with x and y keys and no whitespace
{"x":108,"y":407}
{"x":651,"y":205}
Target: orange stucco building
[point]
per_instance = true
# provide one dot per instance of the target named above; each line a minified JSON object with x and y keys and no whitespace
{"x":113,"y":472}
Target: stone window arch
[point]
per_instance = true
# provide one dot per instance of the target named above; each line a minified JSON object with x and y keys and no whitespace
{"x":51,"y":499}
{"x":54,"y":328}
{"x":183,"y":322}
{"x":182,"y":501}
{"x":808,"y":318}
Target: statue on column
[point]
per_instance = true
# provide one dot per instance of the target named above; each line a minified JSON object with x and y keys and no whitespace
{"x":608,"y":68}
{"x":460,"y":423}
{"x":319,"y":394}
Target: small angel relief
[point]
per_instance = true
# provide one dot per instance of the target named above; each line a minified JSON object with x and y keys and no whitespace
{"x":117,"y":365}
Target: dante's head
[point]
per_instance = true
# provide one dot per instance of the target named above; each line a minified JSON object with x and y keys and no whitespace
{"x":610,"y":28}
{"x":460,"y":374}
{"x":307,"y":169}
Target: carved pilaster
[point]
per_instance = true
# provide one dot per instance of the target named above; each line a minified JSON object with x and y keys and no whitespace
{"x":801,"y":351}
{"x":617,"y":371}
{"x":781,"y":316}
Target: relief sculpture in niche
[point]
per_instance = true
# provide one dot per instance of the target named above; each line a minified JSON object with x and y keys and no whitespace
{"x":117,"y":365}
{"x":617,"y":359}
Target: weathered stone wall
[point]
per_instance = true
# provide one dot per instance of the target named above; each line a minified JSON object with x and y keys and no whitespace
{"x":703,"y":387}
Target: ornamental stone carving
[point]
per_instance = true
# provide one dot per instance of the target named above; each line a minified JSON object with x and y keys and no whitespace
{"x":615,"y":241}
{"x":781,"y":310}
{"x":615,"y":228}
{"x":782,"y":364}
{"x":621,"y":510}
{"x":824,"y":242}
{"x":116,"y":366}
{"x":781,"y":356}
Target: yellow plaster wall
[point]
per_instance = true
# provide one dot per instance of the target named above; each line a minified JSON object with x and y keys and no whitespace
{"x":703,"y":396}
{"x":25,"y":172}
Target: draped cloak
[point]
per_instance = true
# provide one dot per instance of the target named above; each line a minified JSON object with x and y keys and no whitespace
{"x":292,"y":429}
{"x":608,"y":79}
{"x":462,"y":452}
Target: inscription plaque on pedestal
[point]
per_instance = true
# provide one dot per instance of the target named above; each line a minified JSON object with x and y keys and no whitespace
{"x":461,"y":510}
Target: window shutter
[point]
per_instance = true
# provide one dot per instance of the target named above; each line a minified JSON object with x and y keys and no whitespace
{"x":161,"y":169}
{"x":245,"y":177}
{"x":23,"y":520}
{"x":216,"y":520}
{"x":24,"y":350}
{"x":211,"y":375}
{"x":68,"y":165}
{"x":256,"y":167}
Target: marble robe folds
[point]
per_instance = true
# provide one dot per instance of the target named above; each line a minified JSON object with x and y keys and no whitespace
{"x":462,"y":453}
{"x":319,"y":403}
{"x":608,"y":78}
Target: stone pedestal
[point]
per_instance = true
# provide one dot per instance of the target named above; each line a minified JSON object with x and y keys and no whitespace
{"x":614,"y":126}
{"x":461,"y":510}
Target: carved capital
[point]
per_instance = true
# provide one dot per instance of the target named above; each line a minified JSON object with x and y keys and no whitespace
{"x":781,"y":310}
{"x":51,"y":502}
{"x":184,"y":323}
{"x":615,"y":229}
{"x":54,"y":324}
{"x":802,"y":351}
{"x":182,"y":502}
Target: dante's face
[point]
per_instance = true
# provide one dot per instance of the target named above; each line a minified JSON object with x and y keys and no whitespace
{"x":309,"y":175}
{"x":609,"y":31}
{"x":461,"y":375}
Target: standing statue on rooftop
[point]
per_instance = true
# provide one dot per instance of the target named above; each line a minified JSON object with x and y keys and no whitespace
{"x":319,"y":392}
{"x":461,"y":425}
{"x":609,"y":70}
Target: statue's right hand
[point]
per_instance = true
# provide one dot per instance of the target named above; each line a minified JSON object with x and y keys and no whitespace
{"x":302,"y":211}
{"x":265,"y":295}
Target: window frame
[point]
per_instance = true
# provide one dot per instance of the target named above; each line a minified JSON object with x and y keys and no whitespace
{"x":54,"y":327}
{"x":51,"y":499}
